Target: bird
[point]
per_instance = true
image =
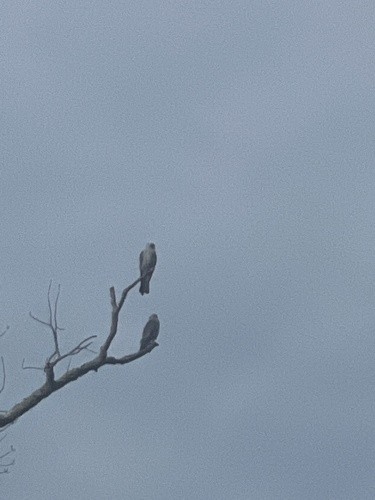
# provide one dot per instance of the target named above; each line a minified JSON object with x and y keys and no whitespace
{"x":150,"y":331}
{"x":147,"y":262}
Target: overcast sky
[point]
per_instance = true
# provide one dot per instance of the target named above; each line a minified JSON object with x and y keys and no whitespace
{"x":239,"y":137}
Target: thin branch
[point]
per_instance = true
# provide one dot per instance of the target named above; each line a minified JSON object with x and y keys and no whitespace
{"x":49,"y":302}
{"x":9,"y":464}
{"x":30,"y":367}
{"x":12,"y":450}
{"x":113,"y":297}
{"x":52,"y":323}
{"x":4,"y":375}
{"x":135,"y":283}
{"x":91,"y":350}
{"x":53,"y":327}
{"x":55,"y":309}
{"x":68,"y":368}
{"x":56,"y":327}
{"x":39,"y":320}
{"x":56,"y":356}
{"x":4,"y":332}
{"x":111,"y":360}
{"x":76,"y":350}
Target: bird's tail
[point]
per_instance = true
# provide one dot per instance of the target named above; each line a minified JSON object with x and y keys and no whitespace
{"x":145,"y":286}
{"x":142,"y":345}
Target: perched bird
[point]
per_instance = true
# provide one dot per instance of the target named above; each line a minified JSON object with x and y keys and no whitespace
{"x":150,"y":331}
{"x":147,"y":261}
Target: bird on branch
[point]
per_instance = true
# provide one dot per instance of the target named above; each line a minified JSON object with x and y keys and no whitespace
{"x":150,"y":331}
{"x":147,"y":263}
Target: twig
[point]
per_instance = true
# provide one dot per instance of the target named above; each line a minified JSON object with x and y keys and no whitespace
{"x":4,"y":375}
{"x":135,"y":283}
{"x":52,"y":323}
{"x":75,"y":350}
{"x":30,"y":367}
{"x":39,"y":320}
{"x":55,"y":310}
{"x":12,"y":450}
{"x":4,"y":332}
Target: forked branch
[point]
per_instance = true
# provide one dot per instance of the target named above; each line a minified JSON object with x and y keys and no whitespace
{"x":52,"y":384}
{"x":52,"y":322}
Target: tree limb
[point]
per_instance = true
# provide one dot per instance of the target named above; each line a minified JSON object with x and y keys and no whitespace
{"x":4,"y":332}
{"x":52,"y":384}
{"x":116,"y":311}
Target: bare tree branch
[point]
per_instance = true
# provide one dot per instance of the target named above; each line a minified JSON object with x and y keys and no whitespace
{"x":55,"y":309}
{"x":38,"y":320}
{"x":4,"y":375}
{"x":52,"y":323}
{"x":30,"y":367}
{"x":54,"y":331}
{"x":130,"y":287}
{"x":73,"y":374}
{"x":52,"y":384}
{"x":49,"y":302}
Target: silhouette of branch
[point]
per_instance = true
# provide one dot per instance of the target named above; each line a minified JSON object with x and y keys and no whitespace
{"x":30,"y":367}
{"x":130,"y":287}
{"x":7,"y":453}
{"x":4,"y":332}
{"x":4,"y":375}
{"x":76,"y":350}
{"x":53,"y":384}
{"x":52,"y":323}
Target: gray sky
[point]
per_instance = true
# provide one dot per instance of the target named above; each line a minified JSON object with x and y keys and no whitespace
{"x":239,"y":136}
